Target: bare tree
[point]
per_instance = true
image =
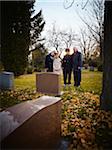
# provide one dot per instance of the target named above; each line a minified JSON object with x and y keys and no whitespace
{"x":68,"y":3}
{"x":86,"y":44}
{"x":69,"y":38}
{"x":53,"y":39}
{"x":106,"y":96}
{"x":60,"y":39}
{"x":94,"y":20}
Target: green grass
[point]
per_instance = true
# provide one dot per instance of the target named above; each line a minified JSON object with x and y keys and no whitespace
{"x":91,"y":81}
{"x":25,"y":81}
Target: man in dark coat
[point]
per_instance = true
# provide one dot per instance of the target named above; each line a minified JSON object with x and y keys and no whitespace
{"x":67,"y":67}
{"x":49,"y":62}
{"x":76,"y":64}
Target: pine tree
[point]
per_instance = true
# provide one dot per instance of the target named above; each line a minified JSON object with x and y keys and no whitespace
{"x":37,"y":26}
{"x":15,"y":34}
{"x":38,"y":57}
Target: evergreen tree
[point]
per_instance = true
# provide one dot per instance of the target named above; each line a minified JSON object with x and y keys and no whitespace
{"x":36,"y":45}
{"x":37,"y":25}
{"x":15,"y":34}
{"x":38,"y":57}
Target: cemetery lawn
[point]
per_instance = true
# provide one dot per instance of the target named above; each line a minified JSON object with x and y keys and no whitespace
{"x":25,"y":88}
{"x":91,"y":81}
{"x":83,"y":124}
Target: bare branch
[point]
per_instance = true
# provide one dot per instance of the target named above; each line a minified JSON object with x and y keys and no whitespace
{"x":85,"y":4}
{"x":66,"y":6}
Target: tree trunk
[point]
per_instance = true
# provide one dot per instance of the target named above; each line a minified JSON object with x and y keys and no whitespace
{"x":106,"y":96}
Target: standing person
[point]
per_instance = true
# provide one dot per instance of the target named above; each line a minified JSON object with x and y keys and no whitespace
{"x":57,"y":63}
{"x":77,"y":64}
{"x":67,"y":67}
{"x":49,"y":62}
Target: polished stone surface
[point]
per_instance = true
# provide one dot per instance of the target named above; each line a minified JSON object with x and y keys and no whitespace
{"x":32,"y":124}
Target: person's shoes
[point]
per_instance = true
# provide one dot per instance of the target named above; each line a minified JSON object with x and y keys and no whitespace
{"x":69,"y":85}
{"x":78,"y":88}
{"x":77,"y":85}
{"x":64,"y":85}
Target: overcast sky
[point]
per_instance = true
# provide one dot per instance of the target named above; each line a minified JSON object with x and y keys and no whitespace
{"x":54,"y":11}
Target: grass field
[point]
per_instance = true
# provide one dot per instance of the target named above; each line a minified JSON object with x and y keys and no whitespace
{"x":91,"y":81}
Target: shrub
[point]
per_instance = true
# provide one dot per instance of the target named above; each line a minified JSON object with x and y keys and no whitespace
{"x":29,"y":70}
{"x":1,"y":67}
{"x":86,"y":66}
{"x":100,"y":67}
{"x":93,"y":62}
{"x":38,"y":69}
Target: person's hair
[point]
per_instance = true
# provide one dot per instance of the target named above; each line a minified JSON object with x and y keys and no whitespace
{"x":67,"y":50}
{"x":75,"y":48}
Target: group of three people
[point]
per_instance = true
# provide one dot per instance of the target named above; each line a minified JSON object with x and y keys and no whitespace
{"x":69,"y":63}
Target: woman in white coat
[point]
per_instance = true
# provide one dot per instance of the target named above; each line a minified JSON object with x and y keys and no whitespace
{"x":57,"y":64}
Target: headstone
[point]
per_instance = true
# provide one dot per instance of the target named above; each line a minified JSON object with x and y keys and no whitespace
{"x":6,"y":80}
{"x":33,"y":124}
{"x":48,"y":83}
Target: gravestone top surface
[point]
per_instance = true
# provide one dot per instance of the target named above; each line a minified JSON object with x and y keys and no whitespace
{"x":6,"y":80}
{"x":14,"y":116}
{"x":48,"y":73}
{"x":7,"y":73}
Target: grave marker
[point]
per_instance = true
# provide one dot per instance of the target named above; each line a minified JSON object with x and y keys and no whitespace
{"x":6,"y":80}
{"x":48,"y":83}
{"x":33,"y":124}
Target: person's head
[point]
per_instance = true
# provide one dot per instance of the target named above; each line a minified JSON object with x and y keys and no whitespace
{"x":75,"y":49}
{"x":52,"y":53}
{"x":56,"y":54}
{"x":67,"y":50}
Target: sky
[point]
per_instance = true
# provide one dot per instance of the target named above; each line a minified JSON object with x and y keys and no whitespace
{"x":54,"y":11}
{"x":65,"y":19}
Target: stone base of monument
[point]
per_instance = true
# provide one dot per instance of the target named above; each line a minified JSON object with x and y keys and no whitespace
{"x":48,"y":83}
{"x":33,"y":124}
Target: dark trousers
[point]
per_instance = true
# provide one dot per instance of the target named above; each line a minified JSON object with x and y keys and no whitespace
{"x":50,"y":68}
{"x":67,"y":76}
{"x":77,"y":77}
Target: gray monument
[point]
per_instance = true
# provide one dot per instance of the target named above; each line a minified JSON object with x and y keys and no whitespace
{"x":6,"y":80}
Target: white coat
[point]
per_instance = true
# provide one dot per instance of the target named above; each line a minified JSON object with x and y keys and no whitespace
{"x":57,"y":65}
